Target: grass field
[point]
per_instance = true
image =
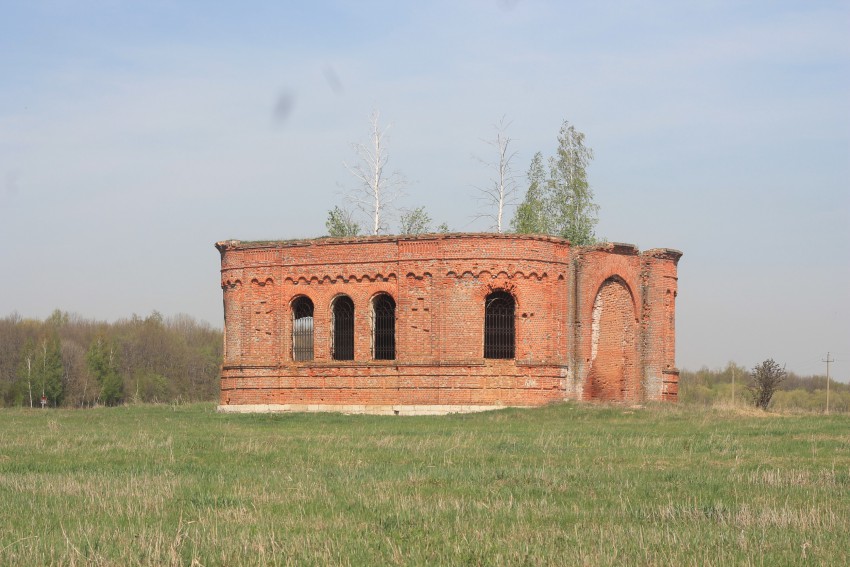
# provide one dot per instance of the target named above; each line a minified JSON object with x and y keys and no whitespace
{"x":570,"y":484}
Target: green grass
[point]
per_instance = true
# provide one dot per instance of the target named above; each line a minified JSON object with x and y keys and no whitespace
{"x":569,"y":484}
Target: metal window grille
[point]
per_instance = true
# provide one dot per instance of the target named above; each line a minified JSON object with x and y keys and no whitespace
{"x":384,"y":327}
{"x":343,"y":340}
{"x":499,"y":325}
{"x":302,"y":329}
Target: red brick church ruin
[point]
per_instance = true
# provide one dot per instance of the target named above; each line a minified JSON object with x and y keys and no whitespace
{"x":444,"y":323}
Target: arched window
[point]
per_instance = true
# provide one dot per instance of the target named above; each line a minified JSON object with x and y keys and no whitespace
{"x":499,"y":330}
{"x":302,"y":329}
{"x":343,"y":339}
{"x":383,"y":327}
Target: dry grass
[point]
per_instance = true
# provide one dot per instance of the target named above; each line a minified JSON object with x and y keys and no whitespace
{"x":567,"y":484}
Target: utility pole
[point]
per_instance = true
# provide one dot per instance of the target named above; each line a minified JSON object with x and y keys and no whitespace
{"x":29,"y":376}
{"x":733,"y":385}
{"x":828,"y":360}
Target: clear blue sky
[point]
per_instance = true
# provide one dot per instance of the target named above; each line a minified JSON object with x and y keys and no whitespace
{"x":133,"y":135}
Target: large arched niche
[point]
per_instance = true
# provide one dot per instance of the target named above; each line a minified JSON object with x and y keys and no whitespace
{"x":613,"y":373}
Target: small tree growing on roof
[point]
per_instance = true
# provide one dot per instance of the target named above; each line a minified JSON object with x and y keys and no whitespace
{"x":378,"y":188}
{"x":499,"y":193}
{"x":561,"y":203}
{"x":415,"y":221}
{"x":340,"y":223}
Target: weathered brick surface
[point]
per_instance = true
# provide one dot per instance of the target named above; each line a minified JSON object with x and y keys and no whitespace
{"x":590,"y":323}
{"x":613,"y":372}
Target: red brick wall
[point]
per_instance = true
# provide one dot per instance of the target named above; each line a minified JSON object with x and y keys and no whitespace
{"x":649,"y":277}
{"x":439,"y":283}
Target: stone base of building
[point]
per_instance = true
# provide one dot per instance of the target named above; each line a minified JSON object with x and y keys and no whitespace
{"x":358,"y":409}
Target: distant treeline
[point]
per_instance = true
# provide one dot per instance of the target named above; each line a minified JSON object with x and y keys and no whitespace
{"x":804,"y":393}
{"x":77,"y":362}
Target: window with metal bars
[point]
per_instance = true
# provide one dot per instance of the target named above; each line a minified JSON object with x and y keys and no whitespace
{"x":302,"y":329}
{"x":343,"y":328}
{"x":499,"y":325}
{"x":383,"y":327}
